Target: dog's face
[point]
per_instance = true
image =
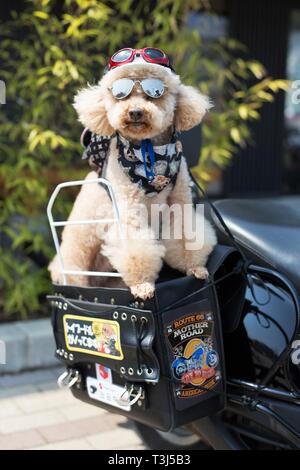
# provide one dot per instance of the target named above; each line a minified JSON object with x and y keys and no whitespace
{"x":139,"y":116}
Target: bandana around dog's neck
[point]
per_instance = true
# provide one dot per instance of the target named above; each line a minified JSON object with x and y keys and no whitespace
{"x":152,"y":168}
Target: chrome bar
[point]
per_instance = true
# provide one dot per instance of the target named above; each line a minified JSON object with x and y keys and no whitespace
{"x":54,"y":224}
{"x":91,"y":273}
{"x":83,"y":222}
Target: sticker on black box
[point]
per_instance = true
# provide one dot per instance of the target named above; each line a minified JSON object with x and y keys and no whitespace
{"x":107,"y":393}
{"x":195,"y":364}
{"x":93,"y":336}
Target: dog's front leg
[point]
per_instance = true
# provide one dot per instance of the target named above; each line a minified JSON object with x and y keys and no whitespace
{"x":135,"y":253}
{"x":192,"y":238}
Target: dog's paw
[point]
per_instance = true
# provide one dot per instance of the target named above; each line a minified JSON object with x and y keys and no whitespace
{"x":143,"y":291}
{"x":199,"y":272}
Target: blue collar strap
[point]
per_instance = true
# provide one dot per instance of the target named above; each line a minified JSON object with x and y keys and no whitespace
{"x":148,"y":151}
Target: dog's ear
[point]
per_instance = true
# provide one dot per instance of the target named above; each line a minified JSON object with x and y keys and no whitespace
{"x":191,"y":107}
{"x":91,"y":110}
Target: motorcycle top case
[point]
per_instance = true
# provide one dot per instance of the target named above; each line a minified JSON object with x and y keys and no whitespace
{"x":159,"y":362}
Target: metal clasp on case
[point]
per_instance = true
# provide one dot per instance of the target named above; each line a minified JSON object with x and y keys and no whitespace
{"x":125,"y":398}
{"x":68,"y":378}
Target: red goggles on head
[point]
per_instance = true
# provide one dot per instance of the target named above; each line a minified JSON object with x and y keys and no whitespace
{"x":148,"y":54}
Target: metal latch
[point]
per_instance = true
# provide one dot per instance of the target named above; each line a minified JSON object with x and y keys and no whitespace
{"x":68,"y":378}
{"x":131,"y":395}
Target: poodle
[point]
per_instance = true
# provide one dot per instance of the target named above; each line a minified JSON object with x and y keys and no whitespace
{"x":133,"y":116}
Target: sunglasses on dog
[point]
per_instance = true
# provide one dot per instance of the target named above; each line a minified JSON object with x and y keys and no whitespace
{"x":122,"y":88}
{"x":149,"y":54}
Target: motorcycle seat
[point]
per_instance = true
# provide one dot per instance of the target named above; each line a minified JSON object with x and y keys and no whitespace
{"x":268,"y":230}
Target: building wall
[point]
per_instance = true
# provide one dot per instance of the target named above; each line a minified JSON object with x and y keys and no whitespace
{"x":262,"y":25}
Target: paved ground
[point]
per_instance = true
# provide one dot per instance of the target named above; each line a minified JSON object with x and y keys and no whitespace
{"x":35,"y":414}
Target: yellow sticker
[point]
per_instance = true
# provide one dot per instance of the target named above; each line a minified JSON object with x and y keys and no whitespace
{"x":97,"y":337}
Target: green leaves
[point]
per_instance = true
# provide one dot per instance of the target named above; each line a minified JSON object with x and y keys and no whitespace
{"x":41,"y":14}
{"x":39,"y":137}
{"x":25,"y":287}
{"x":235,"y":135}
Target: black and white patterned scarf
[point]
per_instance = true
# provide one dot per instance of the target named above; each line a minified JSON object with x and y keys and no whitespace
{"x":152,"y":168}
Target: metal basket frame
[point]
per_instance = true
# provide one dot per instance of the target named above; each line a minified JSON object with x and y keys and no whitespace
{"x":53,"y":224}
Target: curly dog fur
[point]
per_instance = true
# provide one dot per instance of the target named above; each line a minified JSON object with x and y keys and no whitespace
{"x":137,"y":259}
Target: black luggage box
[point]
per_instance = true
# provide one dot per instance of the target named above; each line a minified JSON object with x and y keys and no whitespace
{"x":161,"y":361}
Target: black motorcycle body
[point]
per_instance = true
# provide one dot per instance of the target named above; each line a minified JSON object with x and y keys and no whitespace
{"x":262,"y":347}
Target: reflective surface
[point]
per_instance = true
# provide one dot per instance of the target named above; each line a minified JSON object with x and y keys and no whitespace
{"x":262,"y":336}
{"x":151,"y":86}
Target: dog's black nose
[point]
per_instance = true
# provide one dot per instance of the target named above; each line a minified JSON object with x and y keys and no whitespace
{"x":136,"y":114}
